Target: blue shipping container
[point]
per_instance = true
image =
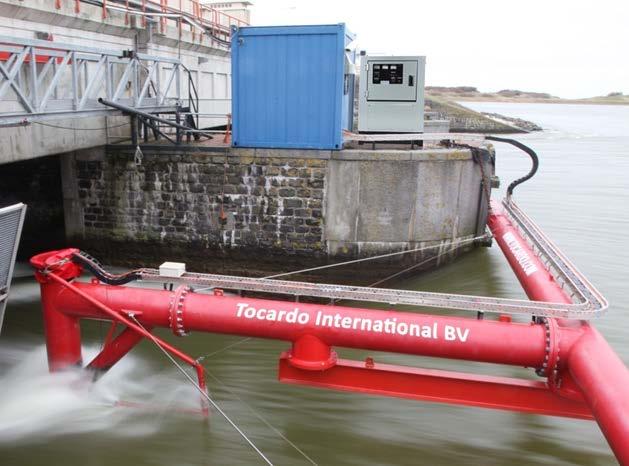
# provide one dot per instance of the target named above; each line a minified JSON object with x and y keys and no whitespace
{"x":289,"y":86}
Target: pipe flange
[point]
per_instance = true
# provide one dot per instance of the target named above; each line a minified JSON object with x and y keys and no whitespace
{"x":177,"y":308}
{"x":551,"y":357}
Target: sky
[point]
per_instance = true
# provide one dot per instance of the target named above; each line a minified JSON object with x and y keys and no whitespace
{"x":570,"y":49}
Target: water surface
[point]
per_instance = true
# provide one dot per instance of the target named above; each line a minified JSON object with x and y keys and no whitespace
{"x":579,"y":197}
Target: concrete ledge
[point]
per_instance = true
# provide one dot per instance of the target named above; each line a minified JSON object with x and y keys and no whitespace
{"x":342,"y":155}
{"x":402,"y":155}
{"x":167,"y":149}
{"x":290,"y":153}
{"x":40,"y":139}
{"x":369,"y":248}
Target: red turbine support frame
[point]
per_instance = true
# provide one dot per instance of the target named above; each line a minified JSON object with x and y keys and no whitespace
{"x":586,"y":379}
{"x":591,"y":369}
{"x":537,"y":282}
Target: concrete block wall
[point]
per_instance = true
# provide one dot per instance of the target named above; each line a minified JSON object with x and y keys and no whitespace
{"x":272,"y":209}
{"x":397,"y":200}
{"x":214,"y":201}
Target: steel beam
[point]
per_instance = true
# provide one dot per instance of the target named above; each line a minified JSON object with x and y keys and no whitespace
{"x":21,"y":120}
{"x":11,"y":80}
{"x":70,"y":63}
{"x":370,"y":378}
{"x":137,"y":112}
{"x":115,"y":350}
{"x":92,"y":83}
{"x":60,"y":69}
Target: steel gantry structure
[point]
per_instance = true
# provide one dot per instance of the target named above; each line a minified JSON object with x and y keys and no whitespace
{"x":42,"y":80}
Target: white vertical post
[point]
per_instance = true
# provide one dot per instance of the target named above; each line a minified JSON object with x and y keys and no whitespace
{"x":75,"y":81}
{"x":177,"y":70}
{"x":33,"y":78}
{"x":158,"y":90}
{"x":136,"y":81}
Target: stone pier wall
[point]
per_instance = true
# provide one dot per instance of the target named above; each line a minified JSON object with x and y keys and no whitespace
{"x":252,"y":211}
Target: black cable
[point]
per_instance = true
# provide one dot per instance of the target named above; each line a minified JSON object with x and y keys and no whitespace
{"x":524,"y":148}
{"x":216,"y":38}
{"x":99,"y":272}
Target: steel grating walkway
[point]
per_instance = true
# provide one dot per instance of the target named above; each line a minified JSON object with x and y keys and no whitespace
{"x":587,"y":300}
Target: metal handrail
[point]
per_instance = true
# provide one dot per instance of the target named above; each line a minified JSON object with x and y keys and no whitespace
{"x":190,"y":11}
{"x":589,"y":302}
{"x":50,"y":64}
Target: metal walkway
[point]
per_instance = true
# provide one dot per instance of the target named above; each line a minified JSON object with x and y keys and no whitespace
{"x":42,"y":80}
{"x":587,"y":300}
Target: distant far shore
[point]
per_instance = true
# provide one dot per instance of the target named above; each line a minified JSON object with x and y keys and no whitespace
{"x":472,"y":94}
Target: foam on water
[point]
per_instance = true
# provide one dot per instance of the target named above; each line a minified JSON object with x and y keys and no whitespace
{"x":36,"y":405}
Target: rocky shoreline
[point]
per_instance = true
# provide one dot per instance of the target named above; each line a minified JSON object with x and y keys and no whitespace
{"x":525,"y":125}
{"x":465,"y":120}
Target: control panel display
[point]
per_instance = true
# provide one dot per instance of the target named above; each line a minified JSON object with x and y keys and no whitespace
{"x":389,"y":73}
{"x":391,"y":94}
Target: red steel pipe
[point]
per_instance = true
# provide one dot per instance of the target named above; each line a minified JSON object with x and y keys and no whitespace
{"x":62,"y":332}
{"x":55,"y":279}
{"x":604,"y":381}
{"x":537,"y":282}
{"x":597,"y":371}
{"x":105,"y":311}
{"x":447,"y":337}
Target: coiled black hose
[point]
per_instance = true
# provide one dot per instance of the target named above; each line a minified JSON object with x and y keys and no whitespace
{"x":524,"y":148}
{"x":91,"y":264}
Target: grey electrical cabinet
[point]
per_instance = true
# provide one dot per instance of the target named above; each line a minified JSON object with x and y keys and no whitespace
{"x":391,"y":94}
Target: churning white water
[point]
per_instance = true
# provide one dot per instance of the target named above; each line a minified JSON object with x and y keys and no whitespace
{"x":36,"y":405}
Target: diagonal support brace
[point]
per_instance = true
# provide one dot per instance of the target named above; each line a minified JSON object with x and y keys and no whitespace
{"x":114,"y":350}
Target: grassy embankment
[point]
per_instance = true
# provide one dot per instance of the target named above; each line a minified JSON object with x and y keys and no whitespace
{"x":471,"y":94}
